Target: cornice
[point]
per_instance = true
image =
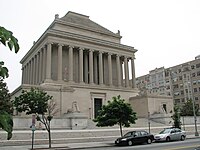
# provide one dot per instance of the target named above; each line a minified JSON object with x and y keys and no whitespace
{"x":87,"y":39}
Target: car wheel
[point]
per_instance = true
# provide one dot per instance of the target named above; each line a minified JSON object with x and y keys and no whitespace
{"x":168,"y":139}
{"x":130,"y":143}
{"x":149,"y":141}
{"x":182,"y":137}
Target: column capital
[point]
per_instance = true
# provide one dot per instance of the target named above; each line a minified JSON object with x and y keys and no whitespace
{"x":91,"y":50}
{"x":81,"y":48}
{"x":110,"y":53}
{"x":101,"y":52}
{"x":60,"y":44}
{"x":70,"y":46}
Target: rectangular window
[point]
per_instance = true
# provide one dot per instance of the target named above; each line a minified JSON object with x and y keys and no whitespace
{"x":198,"y":65}
{"x":97,"y":106}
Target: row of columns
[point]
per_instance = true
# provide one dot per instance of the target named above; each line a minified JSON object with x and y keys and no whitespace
{"x":38,"y":69}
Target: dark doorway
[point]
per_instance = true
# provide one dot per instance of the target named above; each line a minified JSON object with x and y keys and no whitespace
{"x":97,"y":106}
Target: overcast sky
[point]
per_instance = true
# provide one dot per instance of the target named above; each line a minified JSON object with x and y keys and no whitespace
{"x":165,"y":32}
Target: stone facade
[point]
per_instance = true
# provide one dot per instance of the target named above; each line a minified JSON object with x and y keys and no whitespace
{"x":77,"y":60}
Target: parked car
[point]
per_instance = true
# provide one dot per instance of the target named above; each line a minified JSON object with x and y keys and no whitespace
{"x":135,"y":137}
{"x":170,"y":134}
{"x":197,"y":148}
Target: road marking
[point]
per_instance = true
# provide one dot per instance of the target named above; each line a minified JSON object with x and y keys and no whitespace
{"x":177,"y":148}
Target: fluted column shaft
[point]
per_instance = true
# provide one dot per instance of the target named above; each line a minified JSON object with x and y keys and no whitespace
{"x":118,"y":70}
{"x":91,"y":66}
{"x":71,"y":64}
{"x":86,"y":67}
{"x":133,"y":72}
{"x":59,"y":62}
{"x":28,"y":72}
{"x":44,"y":63}
{"x":110,"y":69}
{"x":32,"y":67}
{"x":81,"y":65}
{"x":100,"y":68}
{"x":126,"y":71}
{"x":48,"y":64}
{"x":40,"y":67}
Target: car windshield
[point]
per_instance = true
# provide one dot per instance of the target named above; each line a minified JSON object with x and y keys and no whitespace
{"x":165,"y":131}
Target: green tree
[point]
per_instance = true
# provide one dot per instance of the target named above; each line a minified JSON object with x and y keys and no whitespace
{"x":115,"y":112}
{"x":7,"y":39}
{"x":176,"y":117}
{"x":6,"y":109}
{"x":6,"y":121}
{"x":37,"y":102}
{"x":187,"y":109}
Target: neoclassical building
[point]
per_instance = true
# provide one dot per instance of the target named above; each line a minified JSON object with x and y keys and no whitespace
{"x":78,"y":60}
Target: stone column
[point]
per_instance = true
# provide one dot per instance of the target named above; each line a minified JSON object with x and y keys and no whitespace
{"x":48,"y":62}
{"x":80,"y":65}
{"x":71,"y":70}
{"x":91,"y":66}
{"x":44,"y":56}
{"x":36,"y":69}
{"x":86,"y":67}
{"x":133,"y":72}
{"x":126,"y":71}
{"x":100,"y":68}
{"x":32,"y":70}
{"x":28,"y":73}
{"x":23,"y":74}
{"x":110,"y":69}
{"x":40,"y":67}
{"x":119,"y":81}
{"x":59,"y":62}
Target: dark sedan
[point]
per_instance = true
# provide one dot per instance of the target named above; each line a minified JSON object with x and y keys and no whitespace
{"x":135,"y":137}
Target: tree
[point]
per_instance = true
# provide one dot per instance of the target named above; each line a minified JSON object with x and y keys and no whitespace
{"x":176,"y":117}
{"x":115,"y":112}
{"x":7,"y":39}
{"x":187,"y":109}
{"x":6,"y":110}
{"x":39,"y":103}
{"x":6,"y":121}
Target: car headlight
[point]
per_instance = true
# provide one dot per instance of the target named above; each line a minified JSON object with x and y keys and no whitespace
{"x":124,"y":139}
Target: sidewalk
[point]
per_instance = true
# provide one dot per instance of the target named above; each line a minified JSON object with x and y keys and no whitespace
{"x":69,"y":146}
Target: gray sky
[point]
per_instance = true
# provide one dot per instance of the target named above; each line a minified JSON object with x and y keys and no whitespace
{"x":165,"y":32}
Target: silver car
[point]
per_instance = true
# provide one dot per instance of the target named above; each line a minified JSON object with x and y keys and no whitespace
{"x":170,"y":134}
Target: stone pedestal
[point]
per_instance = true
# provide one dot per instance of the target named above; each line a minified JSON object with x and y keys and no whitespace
{"x":77,"y":120}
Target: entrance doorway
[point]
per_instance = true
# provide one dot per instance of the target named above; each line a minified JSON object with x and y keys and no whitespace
{"x":97,"y":106}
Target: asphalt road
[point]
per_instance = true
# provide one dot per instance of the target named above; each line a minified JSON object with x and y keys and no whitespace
{"x":189,"y":144}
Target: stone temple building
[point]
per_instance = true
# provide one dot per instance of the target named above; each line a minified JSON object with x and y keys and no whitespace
{"x":77,"y":61}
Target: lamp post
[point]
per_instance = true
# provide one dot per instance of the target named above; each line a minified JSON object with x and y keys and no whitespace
{"x":149,"y":121}
{"x":195,"y":118}
{"x":193,"y":106}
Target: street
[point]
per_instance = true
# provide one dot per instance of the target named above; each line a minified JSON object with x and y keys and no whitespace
{"x":188,"y":144}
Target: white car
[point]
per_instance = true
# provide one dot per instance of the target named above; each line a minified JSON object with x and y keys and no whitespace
{"x":170,"y":134}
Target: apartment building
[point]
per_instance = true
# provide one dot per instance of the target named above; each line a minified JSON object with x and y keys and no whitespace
{"x":182,"y":82}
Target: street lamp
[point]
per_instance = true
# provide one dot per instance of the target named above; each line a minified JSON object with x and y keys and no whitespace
{"x":193,"y":106}
{"x":195,"y":118}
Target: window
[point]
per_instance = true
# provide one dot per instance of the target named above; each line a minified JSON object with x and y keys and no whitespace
{"x":194,"y":82}
{"x":196,"y":98}
{"x":193,"y":74}
{"x":198,"y":73}
{"x":180,"y":78}
{"x":192,"y":67}
{"x":179,"y":70}
{"x":97,"y":106}
{"x":198,"y":65}
{"x":182,"y":92}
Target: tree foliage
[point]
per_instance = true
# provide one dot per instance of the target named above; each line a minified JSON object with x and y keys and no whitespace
{"x":6,"y":110}
{"x":7,"y":39}
{"x":37,"y":102}
{"x":176,"y":117}
{"x":115,"y":112}
{"x":187,"y":109}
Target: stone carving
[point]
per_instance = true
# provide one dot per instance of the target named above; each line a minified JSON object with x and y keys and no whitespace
{"x":74,"y":108}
